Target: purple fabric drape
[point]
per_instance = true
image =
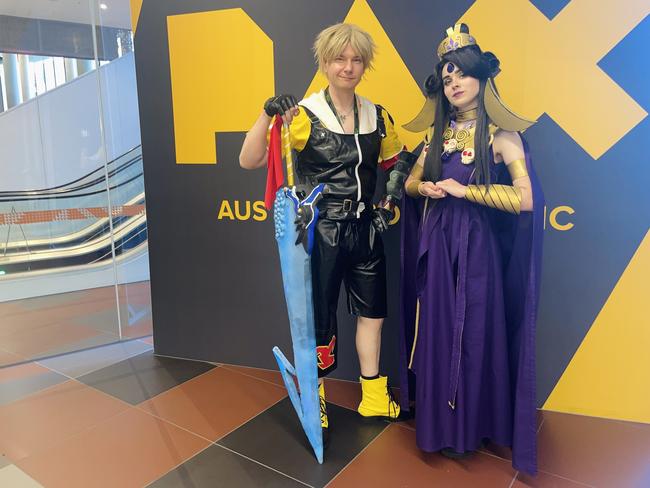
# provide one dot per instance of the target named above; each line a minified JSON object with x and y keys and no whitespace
{"x":468,"y":362}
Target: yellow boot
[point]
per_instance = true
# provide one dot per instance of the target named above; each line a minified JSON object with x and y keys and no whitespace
{"x":377,"y":400}
{"x":324,"y":421}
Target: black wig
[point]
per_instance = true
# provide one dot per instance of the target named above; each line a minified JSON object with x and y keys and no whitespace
{"x":477,"y":64}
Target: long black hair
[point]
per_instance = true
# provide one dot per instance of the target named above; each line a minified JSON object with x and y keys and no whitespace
{"x":477,"y":64}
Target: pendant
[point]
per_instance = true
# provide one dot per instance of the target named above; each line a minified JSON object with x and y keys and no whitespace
{"x":459,"y":140}
{"x":467,"y":156}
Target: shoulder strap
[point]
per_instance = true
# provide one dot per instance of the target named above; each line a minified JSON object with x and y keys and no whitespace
{"x":312,"y":117}
{"x":381,"y":124}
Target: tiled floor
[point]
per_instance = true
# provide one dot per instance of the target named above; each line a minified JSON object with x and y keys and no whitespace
{"x":117,"y":416}
{"x":51,"y":325}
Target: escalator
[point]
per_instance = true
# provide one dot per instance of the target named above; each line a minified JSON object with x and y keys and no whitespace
{"x":69,"y":225}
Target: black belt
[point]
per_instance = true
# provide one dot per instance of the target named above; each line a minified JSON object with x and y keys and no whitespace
{"x":342,"y":209}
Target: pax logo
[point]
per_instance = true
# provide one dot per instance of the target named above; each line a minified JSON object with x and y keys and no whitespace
{"x":559,"y":218}
{"x":242,"y":210}
{"x":550,"y":66}
{"x":221,"y":69}
{"x":213,"y":91}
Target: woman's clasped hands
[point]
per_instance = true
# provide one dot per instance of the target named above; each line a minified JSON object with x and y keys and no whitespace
{"x":442,"y":188}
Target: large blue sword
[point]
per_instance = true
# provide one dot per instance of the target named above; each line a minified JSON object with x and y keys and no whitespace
{"x":296,"y":278}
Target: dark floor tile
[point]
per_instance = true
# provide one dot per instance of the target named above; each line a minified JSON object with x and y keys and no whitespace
{"x":144,"y":376}
{"x":217,"y":467}
{"x":393,"y":459}
{"x":595,"y":451}
{"x":276,"y":439}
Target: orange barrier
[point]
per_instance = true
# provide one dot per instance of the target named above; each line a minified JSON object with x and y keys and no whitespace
{"x":40,"y":216}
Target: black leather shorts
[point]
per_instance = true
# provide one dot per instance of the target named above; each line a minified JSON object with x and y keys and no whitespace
{"x":348,"y":251}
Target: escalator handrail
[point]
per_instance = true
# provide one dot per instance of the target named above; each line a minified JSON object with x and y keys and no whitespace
{"x":64,"y":185}
{"x":65,"y":191}
{"x":56,"y":197}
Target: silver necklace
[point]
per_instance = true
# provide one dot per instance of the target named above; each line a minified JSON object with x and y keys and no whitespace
{"x":344,"y":115}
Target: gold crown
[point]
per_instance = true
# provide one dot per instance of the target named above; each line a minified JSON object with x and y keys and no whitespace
{"x":455,"y":39}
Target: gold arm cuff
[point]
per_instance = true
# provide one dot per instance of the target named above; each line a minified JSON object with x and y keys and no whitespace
{"x":412,"y":188}
{"x":417,"y":172}
{"x":502,"y":197}
{"x":517,"y":169}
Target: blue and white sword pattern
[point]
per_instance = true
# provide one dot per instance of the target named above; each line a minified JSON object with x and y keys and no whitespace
{"x":295,"y":248}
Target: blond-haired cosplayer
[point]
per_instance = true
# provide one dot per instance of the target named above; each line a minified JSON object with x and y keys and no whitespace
{"x":332,"y":41}
{"x":340,"y":139}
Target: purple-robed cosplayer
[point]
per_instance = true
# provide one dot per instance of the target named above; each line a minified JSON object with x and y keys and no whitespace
{"x":469,"y":296}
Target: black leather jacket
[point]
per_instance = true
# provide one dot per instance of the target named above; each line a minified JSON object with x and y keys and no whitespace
{"x":347,"y":163}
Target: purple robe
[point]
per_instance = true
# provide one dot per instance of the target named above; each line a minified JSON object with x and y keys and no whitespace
{"x":468,"y":348}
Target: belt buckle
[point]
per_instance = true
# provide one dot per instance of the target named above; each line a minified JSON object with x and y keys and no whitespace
{"x":347,"y":205}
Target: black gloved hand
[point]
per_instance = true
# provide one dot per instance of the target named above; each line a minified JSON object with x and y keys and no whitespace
{"x":381,"y":218}
{"x":279,"y":105}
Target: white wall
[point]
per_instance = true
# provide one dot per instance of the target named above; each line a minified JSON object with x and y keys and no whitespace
{"x":21,"y":152}
{"x":56,"y":137}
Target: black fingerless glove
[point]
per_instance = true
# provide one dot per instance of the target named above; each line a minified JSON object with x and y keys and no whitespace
{"x":279,"y":105}
{"x":381,"y":218}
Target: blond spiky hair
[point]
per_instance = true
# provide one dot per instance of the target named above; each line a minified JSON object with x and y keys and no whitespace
{"x":332,"y":41}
